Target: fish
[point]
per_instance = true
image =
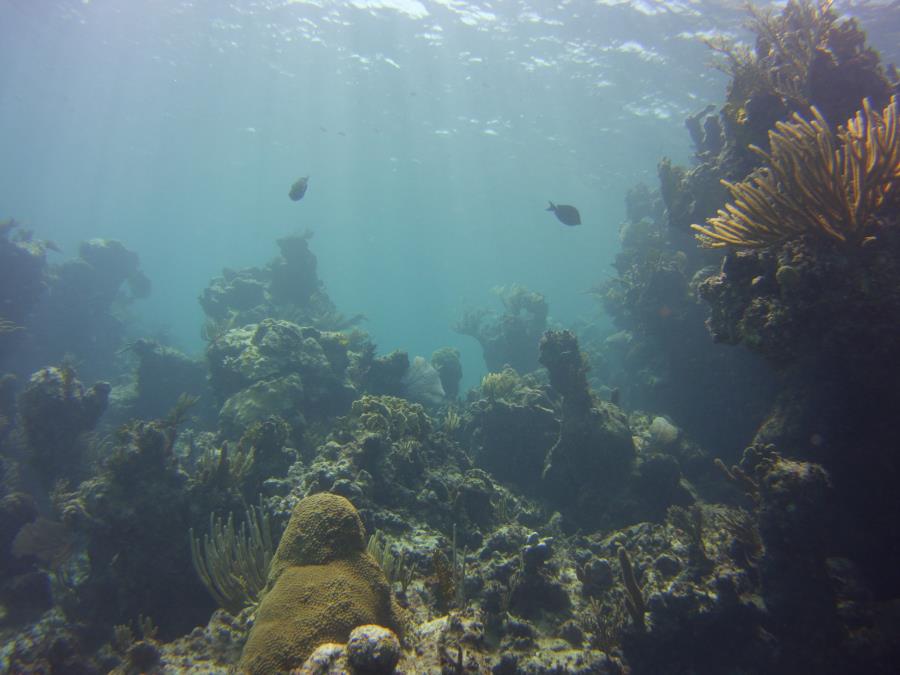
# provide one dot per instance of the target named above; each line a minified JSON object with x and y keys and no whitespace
{"x":298,"y":189}
{"x":567,"y":215}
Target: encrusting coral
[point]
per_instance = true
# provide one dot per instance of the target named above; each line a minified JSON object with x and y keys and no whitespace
{"x":815,"y":182}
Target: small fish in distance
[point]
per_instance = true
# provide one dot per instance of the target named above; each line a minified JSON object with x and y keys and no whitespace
{"x":567,"y":215}
{"x":298,"y":189}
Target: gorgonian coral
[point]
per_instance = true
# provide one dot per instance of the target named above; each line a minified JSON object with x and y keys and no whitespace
{"x":815,"y":182}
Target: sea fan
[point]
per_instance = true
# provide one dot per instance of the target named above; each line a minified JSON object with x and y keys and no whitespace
{"x":422,"y":383}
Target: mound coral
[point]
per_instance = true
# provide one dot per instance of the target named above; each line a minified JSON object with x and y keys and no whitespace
{"x":322,"y":585}
{"x":816,"y":182}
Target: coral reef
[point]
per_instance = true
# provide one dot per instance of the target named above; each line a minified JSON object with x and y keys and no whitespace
{"x":509,"y":338}
{"x":805,"y":55}
{"x":278,"y":367}
{"x":565,"y":516}
{"x":447,"y":363}
{"x":513,"y":425}
{"x":814,"y":182}
{"x":23,"y":269}
{"x":127,"y":515}
{"x":660,"y":359}
{"x":594,"y":453}
{"x":81,"y":314}
{"x":56,"y":411}
{"x":322,"y":585}
{"x":163,"y":374}
{"x":288,"y":288}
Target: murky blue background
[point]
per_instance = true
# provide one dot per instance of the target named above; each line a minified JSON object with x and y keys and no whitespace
{"x":434,"y":133}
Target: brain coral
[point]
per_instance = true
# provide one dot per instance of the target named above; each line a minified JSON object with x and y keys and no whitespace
{"x":322,"y":585}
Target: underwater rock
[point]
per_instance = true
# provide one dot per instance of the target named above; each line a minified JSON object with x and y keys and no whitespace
{"x":594,"y":454}
{"x":56,"y":410}
{"x":16,"y":510}
{"x":287,"y":288}
{"x":283,"y":397}
{"x":385,"y":374}
{"x":373,"y":649}
{"x":261,"y":363}
{"x":76,"y":316}
{"x":164,"y":374}
{"x":537,"y":589}
{"x":474,"y":501}
{"x":796,"y":525}
{"x":134,"y":517}
{"x":509,"y":338}
{"x":327,"y":659}
{"x":24,"y":591}
{"x":322,"y":585}
{"x":511,"y":439}
{"x":294,"y":275}
{"x":23,"y":268}
{"x":237,"y":292}
{"x":447,"y":362}
{"x":111,"y":261}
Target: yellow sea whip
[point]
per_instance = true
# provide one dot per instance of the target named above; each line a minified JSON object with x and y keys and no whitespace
{"x":815,"y":181}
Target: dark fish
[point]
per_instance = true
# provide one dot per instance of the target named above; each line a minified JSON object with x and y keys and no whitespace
{"x":567,"y":215}
{"x":298,"y":189}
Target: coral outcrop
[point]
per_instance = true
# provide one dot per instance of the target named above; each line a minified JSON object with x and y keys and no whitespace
{"x":278,"y":367}
{"x":594,"y":454}
{"x":56,"y":410}
{"x":322,"y":585}
{"x":23,"y":269}
{"x":80,"y":313}
{"x":509,"y":338}
{"x":814,"y":183}
{"x":287,"y":288}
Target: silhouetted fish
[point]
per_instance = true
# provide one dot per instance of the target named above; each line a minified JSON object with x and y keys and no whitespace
{"x":567,"y":215}
{"x":298,"y":189}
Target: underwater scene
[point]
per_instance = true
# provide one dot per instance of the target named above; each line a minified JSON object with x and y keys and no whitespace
{"x":449,"y":336}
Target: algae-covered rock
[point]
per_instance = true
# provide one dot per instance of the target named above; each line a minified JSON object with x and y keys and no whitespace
{"x":56,"y":409}
{"x":281,"y":396}
{"x":278,"y":367}
{"x":322,"y":585}
{"x":373,"y":649}
{"x":447,"y":362}
{"x":593,"y":457}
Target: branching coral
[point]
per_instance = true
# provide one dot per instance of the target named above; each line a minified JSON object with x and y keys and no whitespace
{"x":816,"y":182}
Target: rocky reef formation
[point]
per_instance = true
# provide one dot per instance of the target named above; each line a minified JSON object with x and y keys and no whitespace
{"x":79,"y":314}
{"x":540,"y":524}
{"x":287,"y":288}
{"x":163,"y":375}
{"x":322,"y":584}
{"x":661,"y":357}
{"x":57,"y":409}
{"x":277,"y":367}
{"x":508,"y":338}
{"x":807,"y":280}
{"x":594,"y":453}
{"x":23,"y":269}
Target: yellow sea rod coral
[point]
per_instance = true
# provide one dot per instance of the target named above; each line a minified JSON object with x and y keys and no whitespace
{"x":816,"y":182}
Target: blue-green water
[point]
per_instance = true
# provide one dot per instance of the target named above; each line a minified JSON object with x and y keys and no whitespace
{"x":434,"y":133}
